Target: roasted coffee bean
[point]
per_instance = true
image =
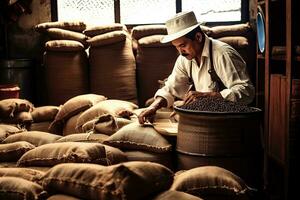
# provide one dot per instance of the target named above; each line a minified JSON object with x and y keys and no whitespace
{"x":217,"y":104}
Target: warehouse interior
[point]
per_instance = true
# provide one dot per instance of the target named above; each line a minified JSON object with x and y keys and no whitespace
{"x":75,"y":76}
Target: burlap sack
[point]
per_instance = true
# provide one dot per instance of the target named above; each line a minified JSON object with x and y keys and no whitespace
{"x":172,"y":195}
{"x":98,"y":30}
{"x":108,"y":38}
{"x":63,"y":45}
{"x":139,"y":137}
{"x":84,"y":137}
{"x":112,"y":66}
{"x":13,"y":151}
{"x":25,"y":173}
{"x":78,"y":104}
{"x":72,"y":107}
{"x":61,"y":34}
{"x":39,"y":126}
{"x":113,"y":107}
{"x":62,"y":197}
{"x":129,"y":180}
{"x":7,"y":130}
{"x":230,"y":30}
{"x":165,"y":159}
{"x":145,"y":30}
{"x":44,"y":113}
{"x":152,"y":41}
{"x":77,"y":26}
{"x":70,"y":125}
{"x":58,"y":66}
{"x":72,"y":152}
{"x":211,"y":182}
{"x":19,"y":189}
{"x":237,"y":42}
{"x":37,"y":138}
{"x":19,"y":118}
{"x":9,"y":107}
{"x":106,"y":124}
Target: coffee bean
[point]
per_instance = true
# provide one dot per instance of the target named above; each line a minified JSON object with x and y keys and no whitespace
{"x":217,"y":104}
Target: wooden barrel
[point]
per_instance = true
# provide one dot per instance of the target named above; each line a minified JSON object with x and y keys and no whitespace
{"x":229,"y":140}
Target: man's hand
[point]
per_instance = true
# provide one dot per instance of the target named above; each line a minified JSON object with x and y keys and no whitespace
{"x":149,"y":113}
{"x":193,"y":95}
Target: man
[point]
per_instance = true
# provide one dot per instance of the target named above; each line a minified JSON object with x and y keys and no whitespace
{"x":210,"y":67}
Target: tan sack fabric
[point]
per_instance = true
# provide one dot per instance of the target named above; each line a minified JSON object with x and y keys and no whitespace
{"x":58,"y":66}
{"x":230,"y":30}
{"x":152,"y":41}
{"x":98,"y":30}
{"x":40,"y":126}
{"x":112,"y":66}
{"x":139,"y":137}
{"x":237,"y":42}
{"x":37,"y":138}
{"x":126,"y":181}
{"x":113,"y":107}
{"x":25,"y":173}
{"x":61,"y":34}
{"x":78,"y":104}
{"x":19,"y":189}
{"x":70,"y":125}
{"x":107,"y":38}
{"x":13,"y":151}
{"x":62,"y":197}
{"x":63,"y":45}
{"x":146,"y":30}
{"x":9,"y":107}
{"x":19,"y":118}
{"x":211,"y":181}
{"x":106,"y":124}
{"x":174,"y":195}
{"x":75,"y":152}
{"x":84,"y":137}
{"x":7,"y":130}
{"x":165,"y":159}
{"x":72,"y":107}
{"x":71,"y":25}
{"x":44,"y":113}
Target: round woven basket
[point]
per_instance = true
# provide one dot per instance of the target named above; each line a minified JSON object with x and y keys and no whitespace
{"x":218,"y":133}
{"x":229,"y":140}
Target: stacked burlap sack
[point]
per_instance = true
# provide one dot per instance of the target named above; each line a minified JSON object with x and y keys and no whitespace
{"x":154,"y":60}
{"x":112,"y":63}
{"x":16,"y":111}
{"x":23,"y":114}
{"x":127,"y":181}
{"x":65,"y":60}
{"x":95,"y":162}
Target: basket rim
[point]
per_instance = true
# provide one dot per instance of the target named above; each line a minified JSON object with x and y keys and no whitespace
{"x":181,"y":110}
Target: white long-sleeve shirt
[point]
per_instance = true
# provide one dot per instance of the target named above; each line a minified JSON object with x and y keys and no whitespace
{"x":229,"y":66}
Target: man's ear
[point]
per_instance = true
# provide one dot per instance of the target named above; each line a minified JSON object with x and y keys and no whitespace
{"x":198,"y":37}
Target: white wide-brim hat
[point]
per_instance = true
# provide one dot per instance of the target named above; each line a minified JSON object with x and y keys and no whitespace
{"x":181,"y":24}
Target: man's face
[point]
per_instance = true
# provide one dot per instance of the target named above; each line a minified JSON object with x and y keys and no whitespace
{"x":187,"y":47}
